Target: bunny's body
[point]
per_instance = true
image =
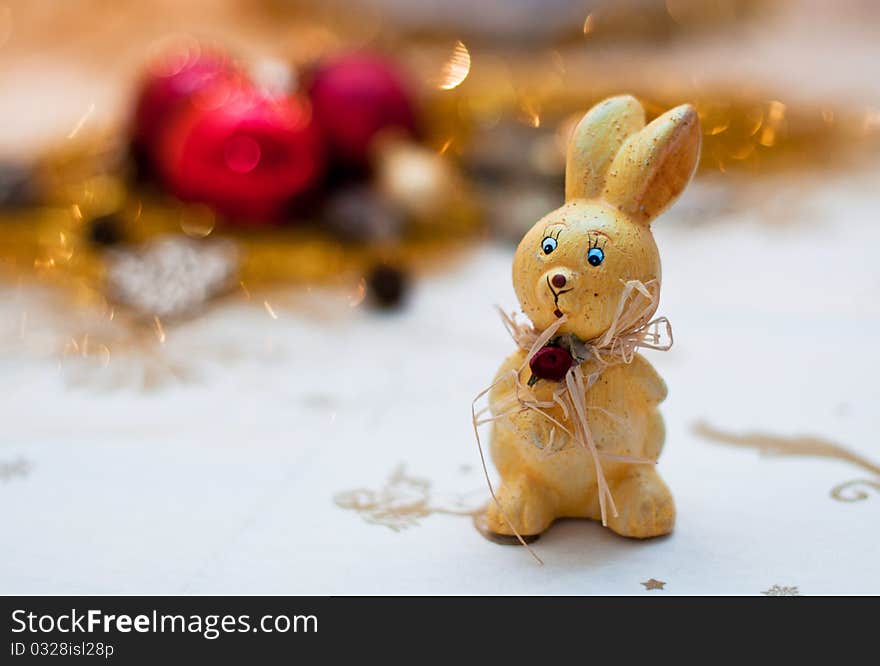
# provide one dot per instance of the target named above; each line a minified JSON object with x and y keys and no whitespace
{"x":540,"y":487}
{"x":573,"y":263}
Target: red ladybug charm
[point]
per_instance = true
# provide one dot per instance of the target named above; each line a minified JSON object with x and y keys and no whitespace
{"x":550,"y":362}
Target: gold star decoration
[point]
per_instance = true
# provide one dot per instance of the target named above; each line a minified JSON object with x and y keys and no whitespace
{"x":654,"y":584}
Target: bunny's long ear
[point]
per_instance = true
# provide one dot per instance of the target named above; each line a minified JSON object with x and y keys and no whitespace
{"x":595,"y":141}
{"x":654,"y":166}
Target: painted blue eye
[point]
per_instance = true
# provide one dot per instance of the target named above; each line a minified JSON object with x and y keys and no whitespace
{"x":595,"y":256}
{"x":548,"y":244}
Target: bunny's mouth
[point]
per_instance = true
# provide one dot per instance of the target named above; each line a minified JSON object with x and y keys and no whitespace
{"x":556,"y":295}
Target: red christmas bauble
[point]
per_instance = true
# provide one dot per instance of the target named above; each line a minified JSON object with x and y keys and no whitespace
{"x":247,"y":157}
{"x":356,"y":96}
{"x":170,"y":83}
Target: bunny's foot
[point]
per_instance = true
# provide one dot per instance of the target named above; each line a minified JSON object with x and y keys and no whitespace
{"x":526,"y":505}
{"x":644,"y":505}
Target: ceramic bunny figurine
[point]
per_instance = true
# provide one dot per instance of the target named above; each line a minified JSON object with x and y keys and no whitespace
{"x":576,"y":430}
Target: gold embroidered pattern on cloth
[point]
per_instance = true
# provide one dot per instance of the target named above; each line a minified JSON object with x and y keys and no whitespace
{"x":782,"y":591}
{"x":631,"y":328}
{"x":403,"y":501}
{"x":803,"y":445}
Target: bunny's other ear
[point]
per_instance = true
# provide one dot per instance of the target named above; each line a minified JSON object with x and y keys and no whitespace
{"x":595,"y":141}
{"x":654,"y":166}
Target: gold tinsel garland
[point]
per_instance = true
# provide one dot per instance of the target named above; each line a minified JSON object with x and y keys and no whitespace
{"x":87,"y":180}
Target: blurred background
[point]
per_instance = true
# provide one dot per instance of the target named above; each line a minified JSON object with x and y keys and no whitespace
{"x":243,"y":242}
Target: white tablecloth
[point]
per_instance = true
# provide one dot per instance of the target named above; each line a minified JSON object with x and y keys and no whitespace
{"x":229,"y":479}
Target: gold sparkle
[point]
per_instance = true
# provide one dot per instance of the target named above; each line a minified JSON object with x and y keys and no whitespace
{"x":589,"y":24}
{"x":270,"y":310}
{"x":82,"y":121}
{"x":456,"y":68}
{"x":358,"y":294}
{"x":745,"y":150}
{"x":754,"y":119}
{"x":775,"y":117}
{"x":653,"y":584}
{"x":531,"y":113}
{"x":776,"y":112}
{"x":768,"y":137}
{"x":719,"y":128}
{"x":197,"y":221}
{"x":160,"y":330}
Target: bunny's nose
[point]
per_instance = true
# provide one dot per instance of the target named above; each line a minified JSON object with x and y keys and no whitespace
{"x":558,"y":280}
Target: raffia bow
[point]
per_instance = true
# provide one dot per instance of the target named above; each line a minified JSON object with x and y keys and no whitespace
{"x":632,"y":328}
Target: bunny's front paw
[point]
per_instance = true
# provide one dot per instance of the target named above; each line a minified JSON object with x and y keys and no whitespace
{"x":644,"y":505}
{"x":526,"y":505}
